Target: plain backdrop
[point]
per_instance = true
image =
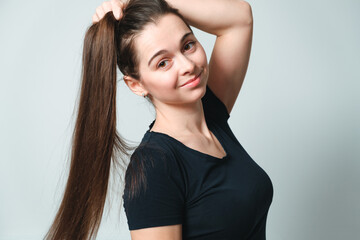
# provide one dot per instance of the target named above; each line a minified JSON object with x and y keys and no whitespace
{"x":297,"y":114}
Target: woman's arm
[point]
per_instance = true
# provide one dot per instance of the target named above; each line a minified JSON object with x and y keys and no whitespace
{"x":231,"y":21}
{"x":214,"y":16}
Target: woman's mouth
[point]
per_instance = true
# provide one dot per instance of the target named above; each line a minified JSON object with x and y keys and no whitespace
{"x":193,"y":82}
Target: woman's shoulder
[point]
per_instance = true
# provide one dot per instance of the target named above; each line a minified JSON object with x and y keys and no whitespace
{"x":153,"y":151}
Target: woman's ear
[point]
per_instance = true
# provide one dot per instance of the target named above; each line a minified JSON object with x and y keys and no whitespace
{"x":135,"y":85}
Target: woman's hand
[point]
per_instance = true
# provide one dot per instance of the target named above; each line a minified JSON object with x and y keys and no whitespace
{"x":116,"y":6}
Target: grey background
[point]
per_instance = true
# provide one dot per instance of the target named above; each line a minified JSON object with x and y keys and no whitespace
{"x":297,"y":114}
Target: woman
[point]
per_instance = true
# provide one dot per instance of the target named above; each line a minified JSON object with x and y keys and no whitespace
{"x":189,"y":178}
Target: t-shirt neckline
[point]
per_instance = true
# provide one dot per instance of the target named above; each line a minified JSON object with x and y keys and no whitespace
{"x":201,"y":154}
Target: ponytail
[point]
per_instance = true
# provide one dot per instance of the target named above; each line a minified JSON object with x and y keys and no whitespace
{"x":95,"y":140}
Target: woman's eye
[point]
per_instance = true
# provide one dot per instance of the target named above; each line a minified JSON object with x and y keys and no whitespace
{"x":189,"y":45}
{"x":163,"y":64}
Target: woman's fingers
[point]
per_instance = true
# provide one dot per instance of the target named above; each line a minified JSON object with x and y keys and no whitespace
{"x":102,"y":10}
{"x":106,"y":6}
{"x":95,"y":18}
{"x":115,"y":6}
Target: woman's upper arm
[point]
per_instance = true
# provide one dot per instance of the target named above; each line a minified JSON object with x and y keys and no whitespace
{"x":170,"y":232}
{"x":230,"y":58}
{"x":156,"y":210}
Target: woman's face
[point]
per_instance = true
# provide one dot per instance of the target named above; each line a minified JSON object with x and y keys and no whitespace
{"x":169,"y":55}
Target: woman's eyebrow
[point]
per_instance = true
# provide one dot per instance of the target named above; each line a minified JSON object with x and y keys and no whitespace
{"x":165,"y":51}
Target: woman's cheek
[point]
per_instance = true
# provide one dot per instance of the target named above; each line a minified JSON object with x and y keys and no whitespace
{"x":171,"y":78}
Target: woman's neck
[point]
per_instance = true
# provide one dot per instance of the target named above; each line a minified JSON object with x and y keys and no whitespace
{"x":181,"y":120}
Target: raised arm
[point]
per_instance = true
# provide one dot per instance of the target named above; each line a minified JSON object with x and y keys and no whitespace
{"x":231,"y":21}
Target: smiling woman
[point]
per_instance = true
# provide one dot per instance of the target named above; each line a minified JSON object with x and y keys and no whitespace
{"x":189,"y":178}
{"x":169,"y":56}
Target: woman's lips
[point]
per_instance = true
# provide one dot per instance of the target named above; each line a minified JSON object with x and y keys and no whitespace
{"x":193,"y":82}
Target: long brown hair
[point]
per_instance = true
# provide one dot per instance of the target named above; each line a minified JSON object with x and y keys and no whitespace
{"x":97,"y":147}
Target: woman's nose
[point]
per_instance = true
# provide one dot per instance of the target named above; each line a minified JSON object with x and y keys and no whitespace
{"x":186,"y":65}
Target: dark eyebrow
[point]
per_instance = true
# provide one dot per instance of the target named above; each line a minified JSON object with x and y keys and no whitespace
{"x":165,"y":51}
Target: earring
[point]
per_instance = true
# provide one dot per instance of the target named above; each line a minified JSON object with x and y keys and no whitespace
{"x":143,"y":94}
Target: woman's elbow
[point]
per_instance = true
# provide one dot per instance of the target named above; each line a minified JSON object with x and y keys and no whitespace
{"x":245,"y":16}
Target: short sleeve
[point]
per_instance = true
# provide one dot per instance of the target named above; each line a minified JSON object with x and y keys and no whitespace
{"x":214,"y":108}
{"x":161,"y":202}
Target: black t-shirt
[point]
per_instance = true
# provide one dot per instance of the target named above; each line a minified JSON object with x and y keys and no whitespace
{"x":214,"y":198}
